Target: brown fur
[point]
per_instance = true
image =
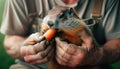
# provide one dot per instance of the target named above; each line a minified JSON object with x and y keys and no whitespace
{"x":73,"y":37}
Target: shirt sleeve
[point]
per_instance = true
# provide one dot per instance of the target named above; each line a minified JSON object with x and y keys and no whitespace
{"x":111,"y":21}
{"x":15,"y":20}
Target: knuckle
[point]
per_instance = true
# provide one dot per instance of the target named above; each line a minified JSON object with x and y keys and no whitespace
{"x":27,"y":59}
{"x":31,"y":50}
{"x":71,"y":49}
{"x":23,"y":51}
{"x":59,"y":61}
{"x":42,"y":55}
{"x":38,"y":47}
{"x":42,"y":45}
{"x":25,"y":42}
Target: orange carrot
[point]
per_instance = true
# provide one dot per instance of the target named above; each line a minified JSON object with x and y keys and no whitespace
{"x":50,"y":34}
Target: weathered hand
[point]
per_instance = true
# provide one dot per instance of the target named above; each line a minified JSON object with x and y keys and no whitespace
{"x":73,"y":55}
{"x":35,"y":51}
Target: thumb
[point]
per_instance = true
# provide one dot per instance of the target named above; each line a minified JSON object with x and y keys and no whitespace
{"x":87,"y":39}
{"x":60,"y":42}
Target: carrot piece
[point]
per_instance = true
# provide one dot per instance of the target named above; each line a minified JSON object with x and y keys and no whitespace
{"x":50,"y":34}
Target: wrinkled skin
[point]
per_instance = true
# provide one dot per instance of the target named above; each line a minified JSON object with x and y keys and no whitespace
{"x":34,"y":51}
{"x":70,"y":55}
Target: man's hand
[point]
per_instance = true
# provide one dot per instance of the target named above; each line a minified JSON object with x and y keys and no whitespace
{"x":34,"y":51}
{"x":73,"y":55}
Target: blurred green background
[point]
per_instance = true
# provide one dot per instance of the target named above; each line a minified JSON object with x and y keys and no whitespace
{"x":6,"y":60}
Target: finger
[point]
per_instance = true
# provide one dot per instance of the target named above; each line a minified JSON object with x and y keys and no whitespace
{"x":63,"y":47}
{"x":69,"y":48}
{"x":62,"y":55}
{"x":75,"y":62}
{"x":51,"y":54}
{"x":87,"y":40}
{"x":32,"y":49}
{"x":46,"y":51}
{"x":39,"y":61}
{"x":39,"y":39}
{"x":27,"y":50}
{"x":29,"y":41}
{"x":79,"y":55}
{"x":34,"y":57}
{"x":61,"y":62}
{"x":32,"y":39}
{"x":39,"y":46}
{"x":72,"y":62}
{"x":88,"y":46}
{"x":36,"y":37}
{"x":72,"y":48}
{"x":38,"y":56}
{"x":61,"y":44}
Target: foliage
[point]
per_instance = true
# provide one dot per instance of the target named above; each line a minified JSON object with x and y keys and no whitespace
{"x":5,"y":59}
